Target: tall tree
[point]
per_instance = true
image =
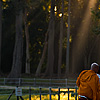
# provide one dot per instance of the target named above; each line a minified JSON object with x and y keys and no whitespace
{"x":51,"y":32}
{"x":38,"y":71}
{"x":60,"y":41}
{"x":27,"y":70}
{"x":68,"y":42}
{"x":18,"y":49}
{"x":0,"y":30}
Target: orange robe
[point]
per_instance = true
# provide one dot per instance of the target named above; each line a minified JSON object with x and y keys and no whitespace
{"x":99,"y":92}
{"x":88,"y":83}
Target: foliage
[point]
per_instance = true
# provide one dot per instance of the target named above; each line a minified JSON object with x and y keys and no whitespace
{"x":37,"y":21}
{"x":96,"y":19}
{"x":37,"y":29}
{"x":8,"y":35}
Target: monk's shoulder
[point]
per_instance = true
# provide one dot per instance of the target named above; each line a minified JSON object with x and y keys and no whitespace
{"x":84,"y":71}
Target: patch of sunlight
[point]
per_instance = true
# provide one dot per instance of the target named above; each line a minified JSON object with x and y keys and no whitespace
{"x":60,"y":15}
{"x":29,"y":23}
{"x":65,"y":42}
{"x":39,"y":52}
{"x":4,"y":0}
{"x":39,"y":29}
{"x":5,"y":7}
{"x":70,"y":39}
{"x":64,"y":90}
{"x":40,"y":42}
{"x":99,"y":7}
{"x":63,"y":96}
{"x":27,"y":14}
{"x":55,"y":13}
{"x":66,"y":24}
{"x":44,"y":8}
{"x":49,"y":7}
{"x":55,"y":9}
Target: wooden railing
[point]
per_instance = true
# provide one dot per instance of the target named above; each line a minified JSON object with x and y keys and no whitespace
{"x":37,"y":82}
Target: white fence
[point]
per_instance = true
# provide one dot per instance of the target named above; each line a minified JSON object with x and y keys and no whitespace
{"x":37,"y":82}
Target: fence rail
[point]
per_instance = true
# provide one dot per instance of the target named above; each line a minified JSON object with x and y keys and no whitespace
{"x":70,"y":93}
{"x":37,"y":82}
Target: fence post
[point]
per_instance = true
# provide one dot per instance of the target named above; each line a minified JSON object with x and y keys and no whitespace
{"x":29,"y":93}
{"x":34,"y":82}
{"x":4,"y":81}
{"x":19,"y":81}
{"x":66,"y":82}
{"x":59,"y":93}
{"x":50,"y":82}
{"x":49,"y":93}
{"x":40,"y":92}
{"x":75,"y":93}
{"x":68,"y":93}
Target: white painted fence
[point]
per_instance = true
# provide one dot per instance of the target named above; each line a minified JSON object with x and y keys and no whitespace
{"x":37,"y":82}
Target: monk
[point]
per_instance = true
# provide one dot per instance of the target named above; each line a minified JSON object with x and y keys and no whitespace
{"x":88,"y":83}
{"x":98,"y":74}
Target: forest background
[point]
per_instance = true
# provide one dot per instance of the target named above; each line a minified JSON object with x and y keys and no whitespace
{"x":48,"y":38}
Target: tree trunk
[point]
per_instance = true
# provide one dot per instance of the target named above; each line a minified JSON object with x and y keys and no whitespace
{"x":27,"y":70}
{"x":38,"y":71}
{"x":51,"y":31}
{"x":0,"y":30}
{"x":18,"y":49}
{"x":60,"y":42}
{"x":68,"y":43}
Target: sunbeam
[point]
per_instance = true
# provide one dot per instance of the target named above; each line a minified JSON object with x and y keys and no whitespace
{"x":82,"y":35}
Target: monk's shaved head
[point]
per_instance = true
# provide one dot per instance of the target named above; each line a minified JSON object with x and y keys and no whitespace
{"x":95,"y":67}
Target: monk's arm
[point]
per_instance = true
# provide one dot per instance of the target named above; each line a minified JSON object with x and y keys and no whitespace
{"x":78,"y":82}
{"x":94,"y":86}
{"x":78,"y":79}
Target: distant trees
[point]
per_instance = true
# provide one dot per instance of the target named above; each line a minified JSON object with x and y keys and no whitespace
{"x":21,"y":9}
{"x":54,"y":40}
{"x":36,"y":32}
